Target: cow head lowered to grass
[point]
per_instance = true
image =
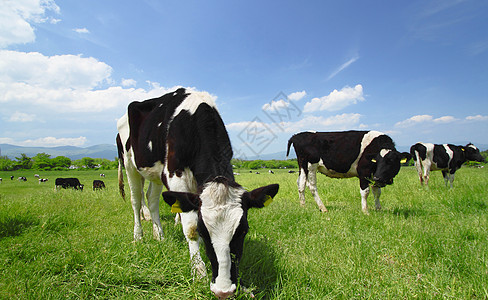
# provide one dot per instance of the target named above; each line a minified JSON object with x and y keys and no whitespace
{"x":222,"y":207}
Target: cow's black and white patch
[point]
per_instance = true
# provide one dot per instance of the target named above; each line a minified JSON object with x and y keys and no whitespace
{"x":369,"y":155}
{"x":179,"y":141}
{"x":447,"y":158}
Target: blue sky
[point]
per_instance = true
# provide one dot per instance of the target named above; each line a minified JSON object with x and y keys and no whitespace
{"x":417,"y":70}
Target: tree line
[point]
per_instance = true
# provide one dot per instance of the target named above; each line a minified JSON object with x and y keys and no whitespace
{"x":44,"y":162}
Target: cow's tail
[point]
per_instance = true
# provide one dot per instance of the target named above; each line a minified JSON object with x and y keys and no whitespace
{"x":290,"y":141}
{"x":121,"y":163}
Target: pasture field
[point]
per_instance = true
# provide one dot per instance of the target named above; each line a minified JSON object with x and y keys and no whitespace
{"x":424,"y":243}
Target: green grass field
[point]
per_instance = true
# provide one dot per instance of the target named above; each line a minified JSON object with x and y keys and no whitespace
{"x":425,"y":243}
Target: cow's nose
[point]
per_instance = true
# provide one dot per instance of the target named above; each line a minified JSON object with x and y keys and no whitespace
{"x":375,"y":178}
{"x":224,"y":294}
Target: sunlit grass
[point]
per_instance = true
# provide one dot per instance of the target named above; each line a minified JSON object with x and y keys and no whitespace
{"x":424,"y":243}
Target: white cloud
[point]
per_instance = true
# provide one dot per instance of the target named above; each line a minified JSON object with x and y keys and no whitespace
{"x":53,"y":72}
{"x":16,"y":17}
{"x":414,"y":120}
{"x":477,"y":118}
{"x":445,"y":119}
{"x":337,"y":122}
{"x":297,"y":95}
{"x":276,"y":105}
{"x":128,"y":82}
{"x":22,"y":117}
{"x":46,"y":142}
{"x":342,"y":67}
{"x":336,"y":100}
{"x":418,"y":119}
{"x":81,"y":30}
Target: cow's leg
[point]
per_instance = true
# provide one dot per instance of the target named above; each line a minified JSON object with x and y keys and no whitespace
{"x":145,"y":211}
{"x":377,"y":194}
{"x":418,"y":166}
{"x":364,"y":190}
{"x":136,"y":184}
{"x":302,"y":182}
{"x":426,"y":173}
{"x":153,"y":193}
{"x":446,"y":177}
{"x":451,"y":179}
{"x":312,"y":186}
{"x":189,"y":221}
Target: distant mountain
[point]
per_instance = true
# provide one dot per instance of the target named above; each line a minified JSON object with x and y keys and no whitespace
{"x":106,"y":151}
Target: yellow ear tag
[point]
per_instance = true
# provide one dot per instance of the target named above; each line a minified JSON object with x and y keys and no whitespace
{"x":373,"y":160}
{"x":268,"y":200}
{"x":175,"y":208}
{"x":462,"y":149}
{"x":404,"y":160}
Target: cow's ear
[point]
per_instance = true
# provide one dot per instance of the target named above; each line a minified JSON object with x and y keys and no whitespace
{"x":405,"y":157}
{"x":181,"y":202}
{"x":262,"y":196}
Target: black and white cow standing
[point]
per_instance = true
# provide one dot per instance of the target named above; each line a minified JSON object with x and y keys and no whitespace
{"x":369,"y":155}
{"x":446,"y":157}
{"x":179,"y":140}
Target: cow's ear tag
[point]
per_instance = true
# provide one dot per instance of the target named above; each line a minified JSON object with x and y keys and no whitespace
{"x":373,"y":160}
{"x":175,"y":208}
{"x":462,"y":149}
{"x":404,"y":160}
{"x":268,"y":200}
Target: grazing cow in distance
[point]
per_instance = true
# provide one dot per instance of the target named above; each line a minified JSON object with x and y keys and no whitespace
{"x":37,"y":176}
{"x":179,"y":140}
{"x":22,"y":178}
{"x":98,"y":185}
{"x":42,"y":180}
{"x":270,"y":172}
{"x":0,"y":180}
{"x":369,"y":155}
{"x":68,"y":183}
{"x":12,"y":177}
{"x":102,"y":175}
{"x":446,"y":157}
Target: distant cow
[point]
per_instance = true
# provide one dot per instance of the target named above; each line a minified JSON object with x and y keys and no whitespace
{"x":0,"y":180}
{"x":98,"y":185}
{"x":369,"y":155}
{"x":22,"y":178}
{"x":37,"y":176}
{"x":12,"y":177}
{"x":446,"y":157}
{"x":42,"y":180}
{"x":102,"y":175}
{"x":179,"y":140}
{"x":68,"y":183}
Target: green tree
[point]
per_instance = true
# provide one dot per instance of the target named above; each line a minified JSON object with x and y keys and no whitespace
{"x":23,"y":162}
{"x":6,"y":164}
{"x":60,"y":162}
{"x":42,"y":161}
{"x":88,"y":162}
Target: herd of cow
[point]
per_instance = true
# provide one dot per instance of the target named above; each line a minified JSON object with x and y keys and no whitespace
{"x":179,"y":141}
{"x":65,"y":183}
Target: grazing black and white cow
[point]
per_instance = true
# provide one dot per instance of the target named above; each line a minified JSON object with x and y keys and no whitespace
{"x":68,"y":183}
{"x":98,"y":185}
{"x":446,"y":157}
{"x":41,"y":180}
{"x":12,"y":177}
{"x":369,"y":155}
{"x":179,"y":140}
{"x":22,"y":178}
